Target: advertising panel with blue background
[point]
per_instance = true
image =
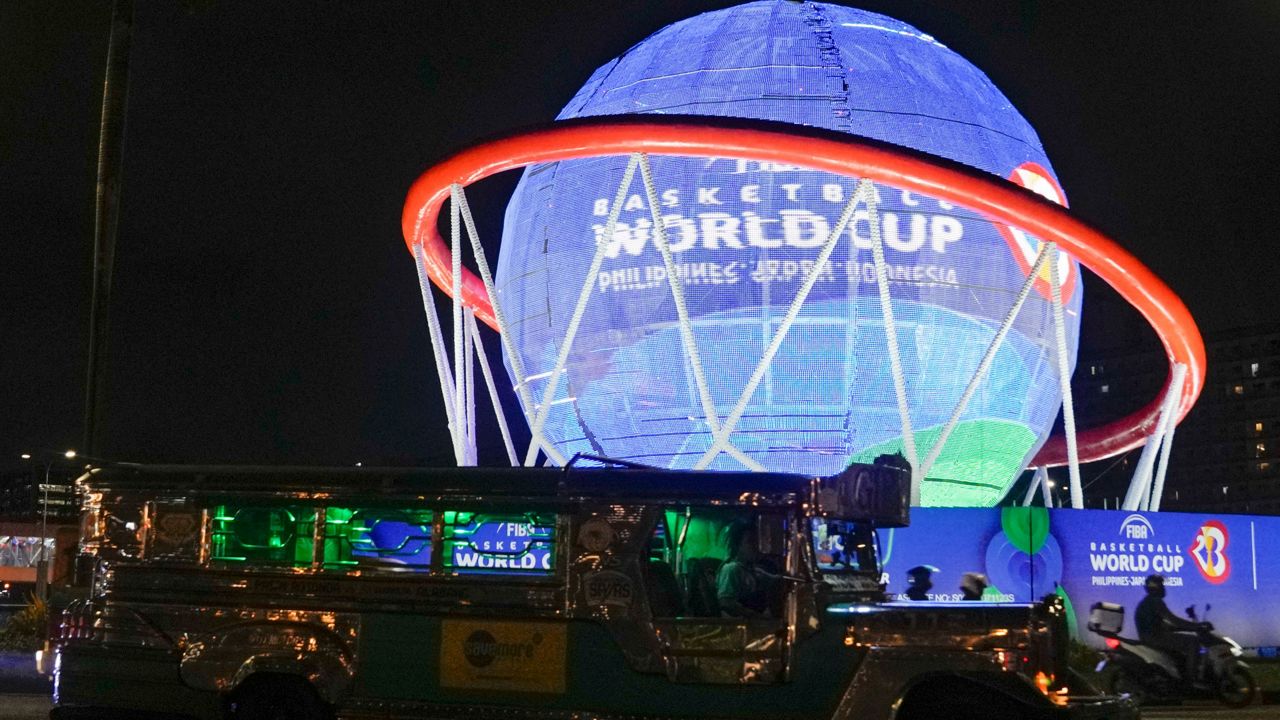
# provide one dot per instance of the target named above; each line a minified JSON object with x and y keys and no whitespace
{"x":1229,"y":562}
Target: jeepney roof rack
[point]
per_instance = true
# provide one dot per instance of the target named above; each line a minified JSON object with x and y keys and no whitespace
{"x":862,"y":491}
{"x":606,"y":460}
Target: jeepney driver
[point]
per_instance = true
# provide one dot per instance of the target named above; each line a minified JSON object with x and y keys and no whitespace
{"x":743,"y":588}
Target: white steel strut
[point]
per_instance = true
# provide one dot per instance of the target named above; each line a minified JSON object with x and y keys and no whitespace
{"x":720,"y":441}
{"x":1140,"y":485}
{"x":984,"y":364}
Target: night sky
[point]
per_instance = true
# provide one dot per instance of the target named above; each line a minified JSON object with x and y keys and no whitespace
{"x":265,"y":307}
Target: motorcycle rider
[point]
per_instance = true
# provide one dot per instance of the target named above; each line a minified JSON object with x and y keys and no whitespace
{"x":1160,"y":629}
{"x":919,"y":582}
{"x":972,"y":585}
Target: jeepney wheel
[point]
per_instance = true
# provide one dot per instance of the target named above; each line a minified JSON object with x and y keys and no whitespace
{"x":1124,"y":683}
{"x":272,"y":696}
{"x":1237,"y":688}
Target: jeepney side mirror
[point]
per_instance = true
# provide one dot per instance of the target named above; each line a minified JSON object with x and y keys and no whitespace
{"x":771,"y":534}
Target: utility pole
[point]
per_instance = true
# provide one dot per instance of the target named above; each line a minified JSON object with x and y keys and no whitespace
{"x":115,"y":96}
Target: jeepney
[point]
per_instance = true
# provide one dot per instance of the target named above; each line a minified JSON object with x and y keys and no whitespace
{"x":509,"y":593}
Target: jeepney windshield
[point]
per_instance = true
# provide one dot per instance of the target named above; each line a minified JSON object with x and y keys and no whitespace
{"x":844,"y":546}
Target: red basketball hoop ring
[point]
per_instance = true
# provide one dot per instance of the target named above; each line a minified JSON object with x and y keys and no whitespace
{"x":845,"y":155}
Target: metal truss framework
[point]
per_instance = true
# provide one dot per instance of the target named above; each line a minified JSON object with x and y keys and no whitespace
{"x":457,"y":381}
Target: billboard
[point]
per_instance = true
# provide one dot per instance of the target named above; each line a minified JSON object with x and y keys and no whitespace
{"x":1229,"y":562}
{"x":744,"y":235}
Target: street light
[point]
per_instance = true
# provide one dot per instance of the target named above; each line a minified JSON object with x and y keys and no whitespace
{"x":42,"y":565}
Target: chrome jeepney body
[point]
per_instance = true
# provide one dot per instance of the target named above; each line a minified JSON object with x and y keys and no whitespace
{"x":584,"y":592}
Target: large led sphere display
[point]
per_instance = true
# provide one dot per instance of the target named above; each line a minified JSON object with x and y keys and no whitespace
{"x":744,"y":233}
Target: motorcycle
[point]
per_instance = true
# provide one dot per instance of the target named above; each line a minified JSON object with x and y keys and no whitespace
{"x":1149,"y":675}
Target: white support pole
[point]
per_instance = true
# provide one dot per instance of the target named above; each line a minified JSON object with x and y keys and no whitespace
{"x":895,"y":356}
{"x":1145,"y":505}
{"x":588,"y":286}
{"x":1037,"y":478}
{"x":1166,"y":447}
{"x":1064,"y":376}
{"x":459,"y":379}
{"x":486,"y":276}
{"x":682,"y":313}
{"x":1044,"y":488}
{"x":1166,"y":444}
{"x":1137,"y":492}
{"x":437,"y":347}
{"x":468,"y":346}
{"x":1139,"y":486}
{"x":720,"y":442}
{"x":489,"y":385}
{"x":985,"y":364}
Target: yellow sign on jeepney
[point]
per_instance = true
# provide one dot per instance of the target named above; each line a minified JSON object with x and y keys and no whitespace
{"x":514,"y":656}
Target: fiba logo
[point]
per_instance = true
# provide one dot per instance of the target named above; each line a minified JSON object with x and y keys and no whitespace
{"x":1136,"y":527}
{"x":1209,"y":550}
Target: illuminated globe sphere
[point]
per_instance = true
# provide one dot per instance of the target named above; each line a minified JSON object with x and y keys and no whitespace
{"x":743,"y":235}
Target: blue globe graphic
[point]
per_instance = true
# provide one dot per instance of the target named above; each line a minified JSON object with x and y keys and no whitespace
{"x":1012,"y":570}
{"x":744,"y":234}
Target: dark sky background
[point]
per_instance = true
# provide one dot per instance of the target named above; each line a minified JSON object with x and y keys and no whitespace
{"x":265,"y":307}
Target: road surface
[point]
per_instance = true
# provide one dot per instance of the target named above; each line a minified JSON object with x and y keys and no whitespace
{"x":36,"y":707}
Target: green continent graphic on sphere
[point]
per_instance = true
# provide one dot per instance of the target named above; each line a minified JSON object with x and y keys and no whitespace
{"x":975,"y":463}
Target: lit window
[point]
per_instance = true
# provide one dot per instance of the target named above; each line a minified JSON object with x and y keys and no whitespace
{"x":1237,"y":389}
{"x":1260,"y":449}
{"x":1105,"y":389}
{"x":1224,"y":489}
{"x":1264,"y":466}
{"x":1257,"y":427}
{"x":1093,"y":369}
{"x":1253,"y":369}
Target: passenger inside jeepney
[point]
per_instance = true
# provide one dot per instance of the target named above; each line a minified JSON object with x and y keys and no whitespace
{"x":744,"y":588}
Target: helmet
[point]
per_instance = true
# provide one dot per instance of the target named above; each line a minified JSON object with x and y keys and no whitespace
{"x":921,"y":573}
{"x":974,"y":582}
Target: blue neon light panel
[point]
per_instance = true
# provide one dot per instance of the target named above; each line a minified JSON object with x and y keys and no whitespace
{"x":744,"y":234}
